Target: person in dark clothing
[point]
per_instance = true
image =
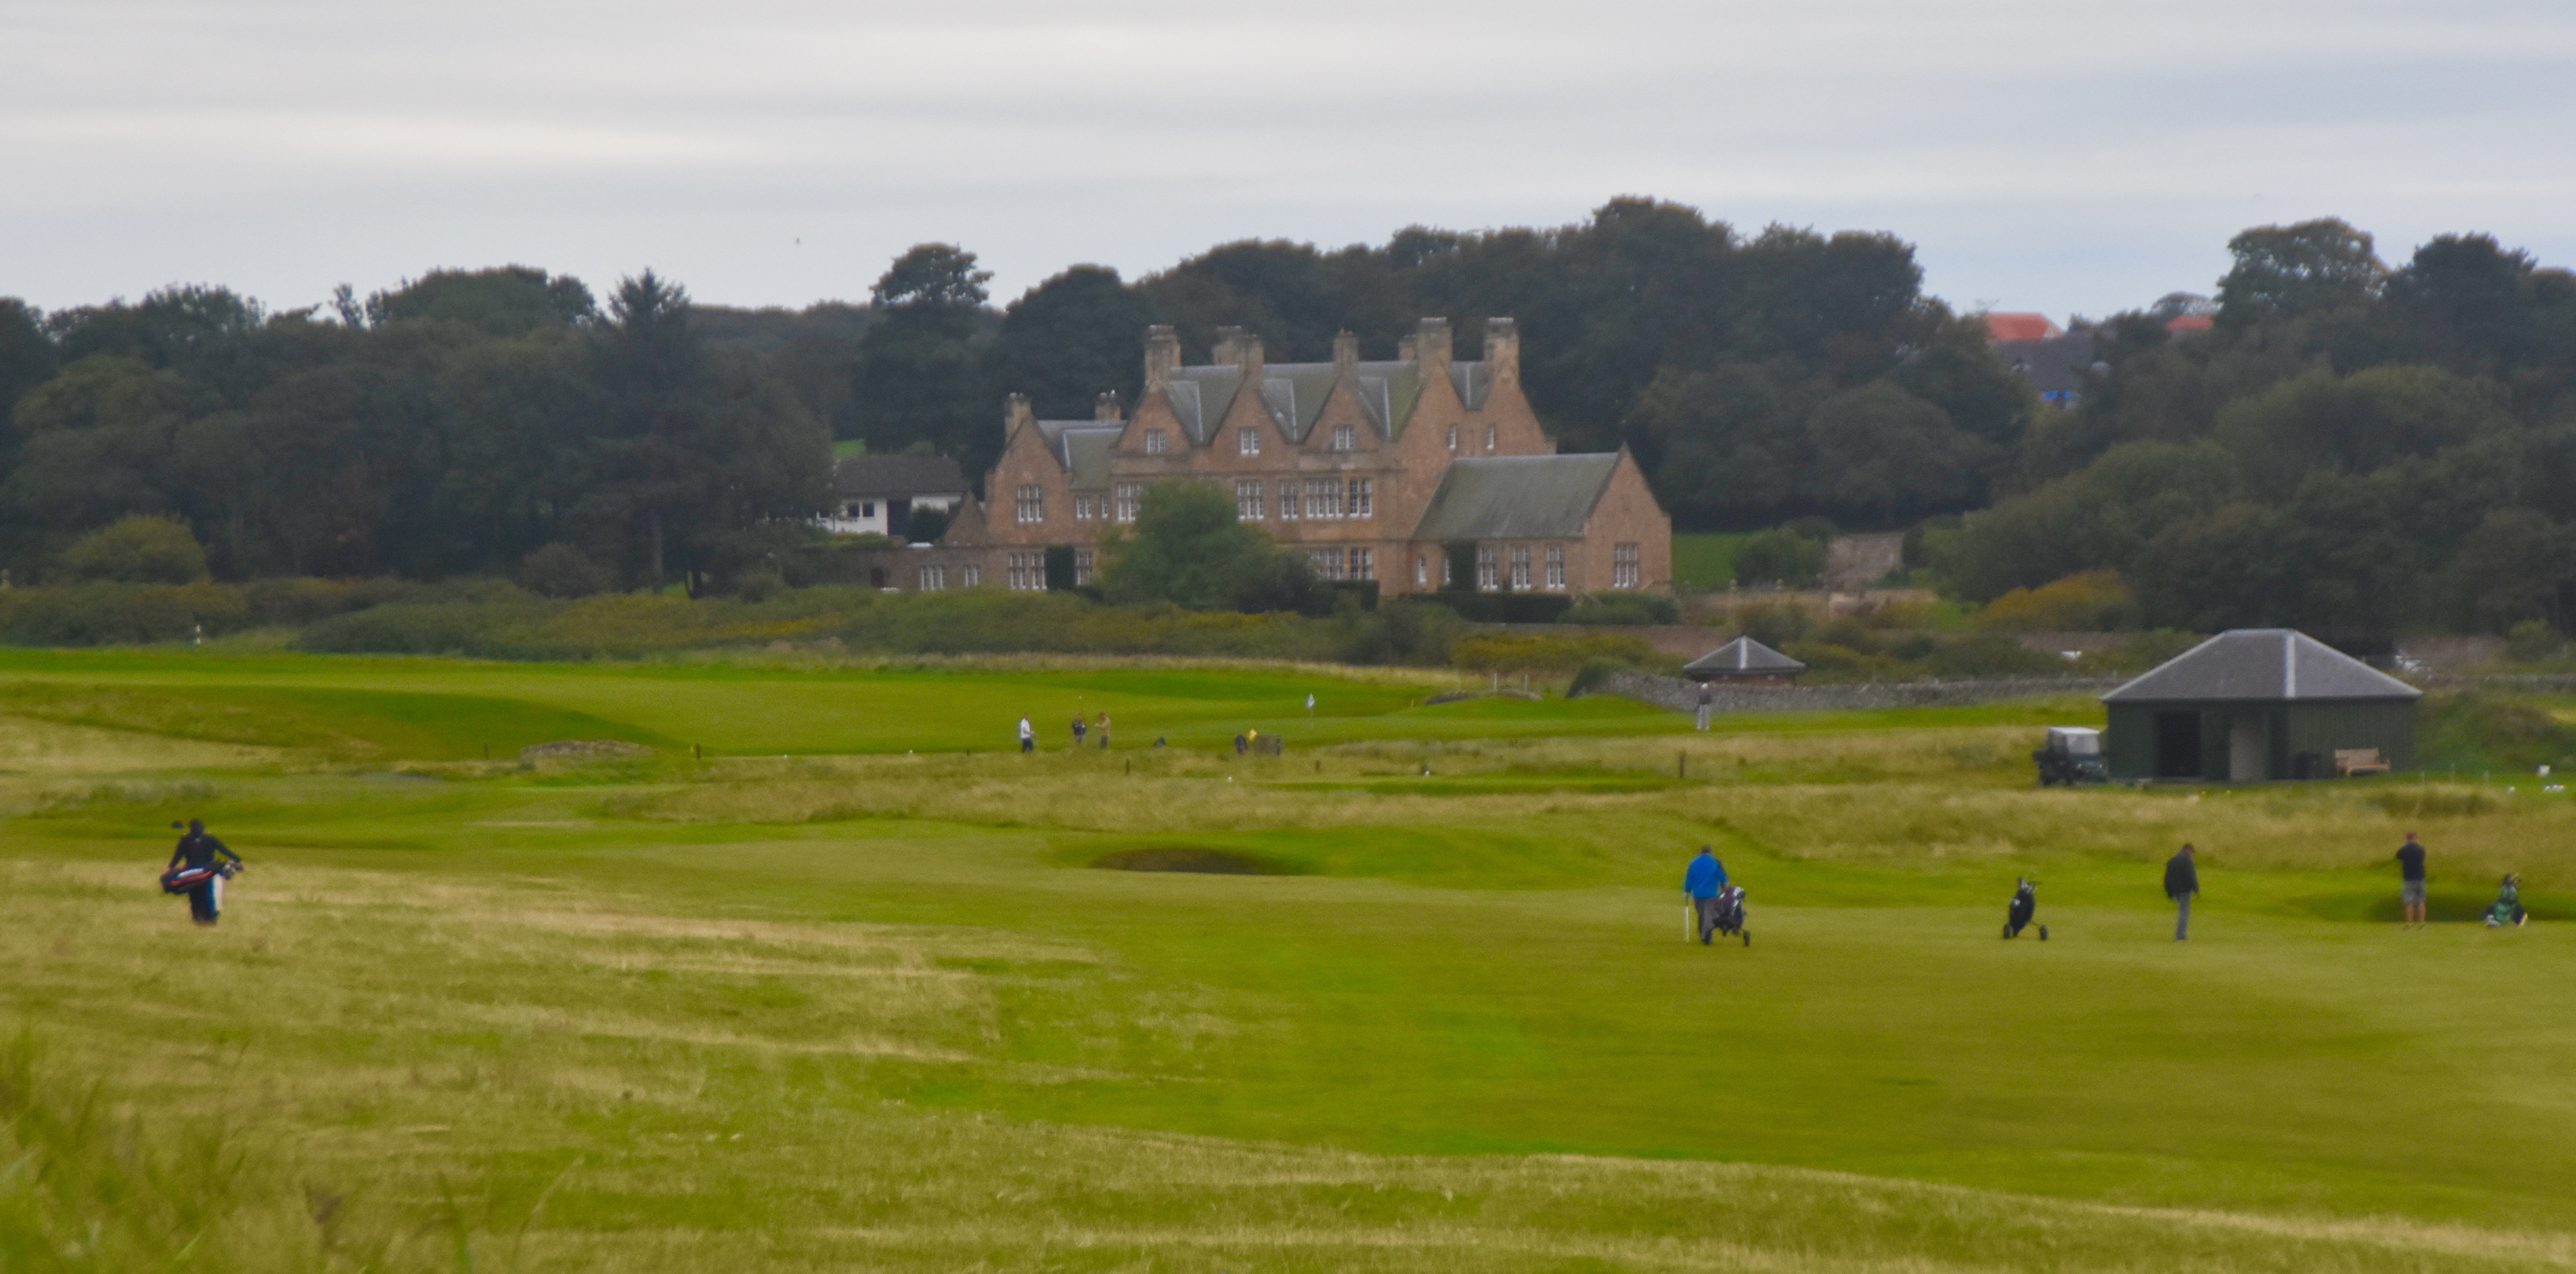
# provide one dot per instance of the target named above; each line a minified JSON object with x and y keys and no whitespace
{"x":1707,"y":698}
{"x":197,"y":849}
{"x":2182,"y":883}
{"x":2410,"y":887}
{"x":1078,"y":728}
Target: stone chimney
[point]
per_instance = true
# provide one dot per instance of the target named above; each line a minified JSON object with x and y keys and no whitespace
{"x":1431,"y":348}
{"x":1105,"y":407}
{"x":1162,"y":356}
{"x":1502,"y":350}
{"x":1015,"y":413}
{"x":1346,"y":354}
{"x":1239,"y":347}
{"x":1407,"y":349}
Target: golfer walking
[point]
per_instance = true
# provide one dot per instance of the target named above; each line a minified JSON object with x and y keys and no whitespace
{"x":1702,"y":882}
{"x":197,"y":849}
{"x":1028,"y":736}
{"x":1705,"y":698}
{"x":2410,"y":889}
{"x":2182,"y":883}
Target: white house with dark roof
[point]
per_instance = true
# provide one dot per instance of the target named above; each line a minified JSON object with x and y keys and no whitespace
{"x":877,"y":495}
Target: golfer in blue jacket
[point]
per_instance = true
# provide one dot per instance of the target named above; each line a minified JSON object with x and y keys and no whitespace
{"x":1702,"y":882}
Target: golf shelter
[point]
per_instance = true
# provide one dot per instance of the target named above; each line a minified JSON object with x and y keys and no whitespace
{"x":1745,"y":661}
{"x":2253,"y":704}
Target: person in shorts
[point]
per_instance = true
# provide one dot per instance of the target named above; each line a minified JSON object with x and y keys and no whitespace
{"x":2410,"y":885}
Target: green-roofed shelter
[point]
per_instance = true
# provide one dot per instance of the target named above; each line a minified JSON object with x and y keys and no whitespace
{"x":2252,"y":704}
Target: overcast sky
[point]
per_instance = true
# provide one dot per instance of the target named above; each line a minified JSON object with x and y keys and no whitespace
{"x":2059,"y":156}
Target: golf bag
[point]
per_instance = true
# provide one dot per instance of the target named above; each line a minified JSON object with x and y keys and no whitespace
{"x":182,"y":880}
{"x":1730,"y":913}
{"x":2508,"y":904}
{"x":2025,"y":904}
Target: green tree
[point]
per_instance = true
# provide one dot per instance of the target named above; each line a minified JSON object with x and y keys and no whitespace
{"x":138,"y":550}
{"x":2357,"y":424}
{"x":919,"y":377}
{"x":1069,"y":339}
{"x":2291,"y":271}
{"x":1187,"y":548}
{"x":699,"y":442}
{"x":26,"y":358}
{"x":1886,"y":455}
{"x":2515,"y":566}
{"x":508,"y":301}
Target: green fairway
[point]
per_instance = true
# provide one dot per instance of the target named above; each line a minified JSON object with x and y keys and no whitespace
{"x":830,"y":1006}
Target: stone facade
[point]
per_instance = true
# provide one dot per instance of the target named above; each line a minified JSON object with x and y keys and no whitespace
{"x":1349,"y":461}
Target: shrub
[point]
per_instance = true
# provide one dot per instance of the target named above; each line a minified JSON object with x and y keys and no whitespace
{"x":1782,"y":557}
{"x":1775,"y":626}
{"x":1545,"y":651}
{"x":138,"y":550}
{"x":1508,"y":608}
{"x":109,"y":614}
{"x":1624,"y":608}
{"x":2532,"y":641}
{"x":2093,"y":601}
{"x":561,"y":570}
{"x":2474,"y":731}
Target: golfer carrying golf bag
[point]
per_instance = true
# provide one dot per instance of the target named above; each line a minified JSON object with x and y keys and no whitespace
{"x":198,"y":869}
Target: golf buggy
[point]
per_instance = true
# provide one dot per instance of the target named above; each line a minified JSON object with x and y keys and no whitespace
{"x":2072,"y":755}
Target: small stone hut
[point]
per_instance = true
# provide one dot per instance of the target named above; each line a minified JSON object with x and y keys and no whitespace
{"x":1745,"y":662}
{"x":2258,"y":703}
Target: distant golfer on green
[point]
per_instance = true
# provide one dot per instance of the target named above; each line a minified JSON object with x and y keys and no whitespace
{"x":1704,"y":881}
{"x":2182,"y":883}
{"x":2410,"y":884}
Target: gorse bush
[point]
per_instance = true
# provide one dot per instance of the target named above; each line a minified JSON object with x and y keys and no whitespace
{"x":2093,"y":601}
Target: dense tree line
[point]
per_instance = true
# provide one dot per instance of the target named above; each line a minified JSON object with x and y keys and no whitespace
{"x":454,"y":425}
{"x":1757,"y":378}
{"x":2352,"y":448}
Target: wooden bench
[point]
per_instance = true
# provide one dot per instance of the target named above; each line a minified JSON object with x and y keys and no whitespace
{"x":2352,"y":761}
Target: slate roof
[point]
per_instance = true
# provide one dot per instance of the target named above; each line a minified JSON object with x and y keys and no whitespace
{"x":898,"y":476}
{"x":1740,"y":655}
{"x":1517,"y":497}
{"x":1293,"y":394}
{"x":1082,"y":447}
{"x":2261,"y":664}
{"x":2052,"y":366}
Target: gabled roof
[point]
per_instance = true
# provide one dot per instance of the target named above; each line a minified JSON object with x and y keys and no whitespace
{"x":1293,"y":394}
{"x":898,"y":476}
{"x":1082,"y":447}
{"x":1517,"y":497}
{"x":1741,"y":655}
{"x":2262,"y":664}
{"x":2020,"y":327}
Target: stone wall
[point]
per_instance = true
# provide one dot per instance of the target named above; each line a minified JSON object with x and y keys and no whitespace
{"x":1683,"y":696}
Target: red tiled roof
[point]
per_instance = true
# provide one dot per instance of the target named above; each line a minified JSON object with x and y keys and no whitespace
{"x":2188,"y":323}
{"x":2020,"y":327}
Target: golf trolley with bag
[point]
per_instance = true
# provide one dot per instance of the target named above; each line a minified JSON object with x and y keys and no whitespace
{"x":1730,"y":916}
{"x":2025,"y":904}
{"x":2508,"y":904}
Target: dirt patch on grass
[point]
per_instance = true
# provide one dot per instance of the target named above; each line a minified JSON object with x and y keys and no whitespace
{"x":1189,"y":858}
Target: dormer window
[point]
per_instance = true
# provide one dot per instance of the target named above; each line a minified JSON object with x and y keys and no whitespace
{"x":1248,"y":442}
{"x":1345,"y":438}
{"x":1156,"y":442}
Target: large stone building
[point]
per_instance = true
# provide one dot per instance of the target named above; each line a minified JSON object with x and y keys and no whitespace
{"x":1373,"y":469}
